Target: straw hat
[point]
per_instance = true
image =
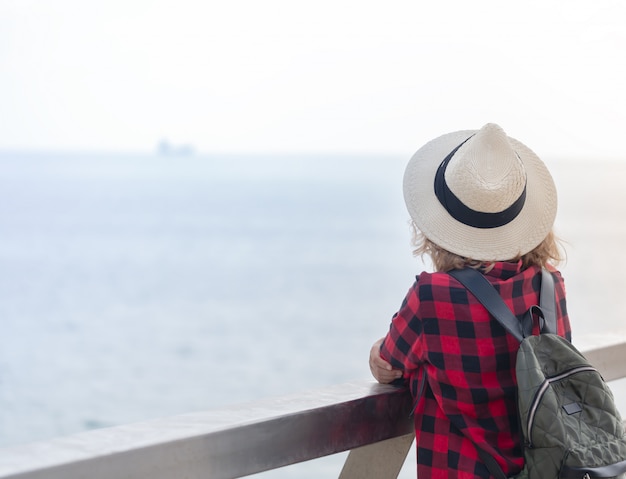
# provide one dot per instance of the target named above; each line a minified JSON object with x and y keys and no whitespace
{"x":480,"y":194}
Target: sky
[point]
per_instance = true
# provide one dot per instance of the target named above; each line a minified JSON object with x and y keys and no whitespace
{"x":324,"y":76}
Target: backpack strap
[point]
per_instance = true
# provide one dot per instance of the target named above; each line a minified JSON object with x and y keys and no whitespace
{"x":547,"y":301}
{"x":491,"y":464}
{"x":480,"y":287}
{"x":486,"y":294}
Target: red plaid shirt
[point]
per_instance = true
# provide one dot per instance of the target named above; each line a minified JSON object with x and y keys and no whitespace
{"x":469,"y":360}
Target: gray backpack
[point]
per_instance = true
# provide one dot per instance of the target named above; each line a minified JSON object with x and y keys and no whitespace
{"x":570,"y":426}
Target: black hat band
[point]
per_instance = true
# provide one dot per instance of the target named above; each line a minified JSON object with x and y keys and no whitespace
{"x":462,"y":213}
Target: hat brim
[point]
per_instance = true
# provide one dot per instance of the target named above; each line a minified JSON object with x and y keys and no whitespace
{"x":521,"y":235}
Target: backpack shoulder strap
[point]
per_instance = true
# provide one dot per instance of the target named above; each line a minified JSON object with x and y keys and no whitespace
{"x":480,"y":287}
{"x":547,"y":301}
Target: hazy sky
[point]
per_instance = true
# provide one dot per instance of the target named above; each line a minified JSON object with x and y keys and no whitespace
{"x":315,"y":76}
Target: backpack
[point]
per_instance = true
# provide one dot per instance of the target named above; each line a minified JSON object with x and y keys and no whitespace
{"x":570,"y":426}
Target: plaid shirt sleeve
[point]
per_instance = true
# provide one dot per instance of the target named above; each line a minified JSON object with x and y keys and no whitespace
{"x":403,"y":346}
{"x":442,"y":330}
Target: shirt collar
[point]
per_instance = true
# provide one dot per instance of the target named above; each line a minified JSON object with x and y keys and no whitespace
{"x":505,"y":269}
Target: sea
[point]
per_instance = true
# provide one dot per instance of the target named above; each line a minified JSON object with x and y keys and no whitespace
{"x":136,"y":286}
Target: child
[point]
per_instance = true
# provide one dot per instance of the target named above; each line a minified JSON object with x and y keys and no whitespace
{"x":484,"y":200}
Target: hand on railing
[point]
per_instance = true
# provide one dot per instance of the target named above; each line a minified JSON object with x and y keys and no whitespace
{"x":381,"y":369}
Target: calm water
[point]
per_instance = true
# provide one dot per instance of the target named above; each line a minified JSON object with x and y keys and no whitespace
{"x":134,"y":287}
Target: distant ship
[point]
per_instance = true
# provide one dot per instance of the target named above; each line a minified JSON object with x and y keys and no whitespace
{"x":165,"y":148}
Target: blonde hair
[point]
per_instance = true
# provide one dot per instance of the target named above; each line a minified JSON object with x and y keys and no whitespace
{"x":548,"y":251}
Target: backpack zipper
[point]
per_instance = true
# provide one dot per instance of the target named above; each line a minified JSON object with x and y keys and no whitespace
{"x":544,"y":387}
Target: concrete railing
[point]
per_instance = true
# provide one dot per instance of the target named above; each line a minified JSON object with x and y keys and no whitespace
{"x":370,"y":420}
